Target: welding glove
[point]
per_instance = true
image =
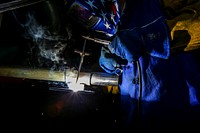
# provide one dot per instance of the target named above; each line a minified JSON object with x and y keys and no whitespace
{"x":111,"y":63}
{"x":98,"y":18}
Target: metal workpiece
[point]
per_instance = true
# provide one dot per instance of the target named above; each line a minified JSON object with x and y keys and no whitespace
{"x":103,"y":79}
{"x":94,"y":78}
{"x":28,"y":73}
{"x":68,"y":76}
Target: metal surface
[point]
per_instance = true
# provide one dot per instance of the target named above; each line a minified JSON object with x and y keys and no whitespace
{"x":103,"y":79}
{"x":38,"y":74}
{"x":68,"y":76}
{"x":8,"y":6}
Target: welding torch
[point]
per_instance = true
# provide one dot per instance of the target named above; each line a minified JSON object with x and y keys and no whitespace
{"x":83,"y":53}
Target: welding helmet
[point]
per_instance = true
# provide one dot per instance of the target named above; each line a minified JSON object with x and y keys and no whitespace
{"x":97,"y":17}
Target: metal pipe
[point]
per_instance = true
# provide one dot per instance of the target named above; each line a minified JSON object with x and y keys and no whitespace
{"x":68,"y":76}
{"x":27,"y":73}
{"x":103,"y":79}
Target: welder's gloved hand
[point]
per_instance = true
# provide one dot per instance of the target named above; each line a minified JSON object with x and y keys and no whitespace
{"x":127,"y":44}
{"x":111,"y":63}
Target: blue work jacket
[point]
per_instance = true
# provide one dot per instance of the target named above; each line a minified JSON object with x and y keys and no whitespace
{"x":172,"y":79}
{"x":167,"y":85}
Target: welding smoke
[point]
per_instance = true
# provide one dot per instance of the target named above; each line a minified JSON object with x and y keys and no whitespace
{"x":48,"y":46}
{"x":47,"y":42}
{"x":42,"y":25}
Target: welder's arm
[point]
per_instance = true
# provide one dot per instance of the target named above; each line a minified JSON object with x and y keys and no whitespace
{"x":127,"y":44}
{"x":111,"y":63}
{"x":125,"y":47}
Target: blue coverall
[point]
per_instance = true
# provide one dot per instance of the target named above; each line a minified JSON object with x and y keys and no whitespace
{"x":169,"y":84}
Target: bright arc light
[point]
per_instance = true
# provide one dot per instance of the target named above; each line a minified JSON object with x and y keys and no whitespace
{"x":76,"y":87}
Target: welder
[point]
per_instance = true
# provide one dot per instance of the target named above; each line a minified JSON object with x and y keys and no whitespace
{"x":158,"y":89}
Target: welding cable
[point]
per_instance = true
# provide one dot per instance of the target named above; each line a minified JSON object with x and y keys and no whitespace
{"x":140,"y":89}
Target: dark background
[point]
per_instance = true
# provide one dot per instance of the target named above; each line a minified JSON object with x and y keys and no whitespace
{"x":27,"y":104}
